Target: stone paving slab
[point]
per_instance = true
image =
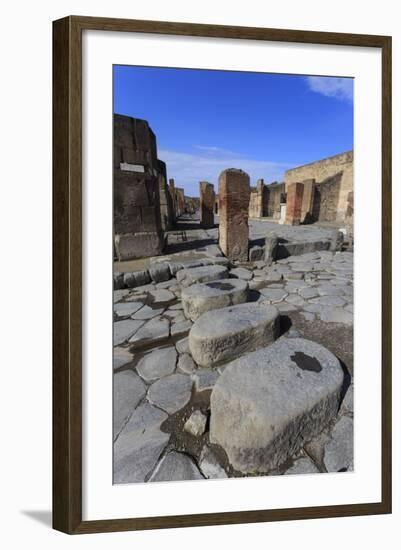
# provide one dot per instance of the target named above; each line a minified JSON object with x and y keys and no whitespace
{"x":223,"y":334}
{"x":157,"y":363}
{"x":128,"y":390}
{"x":171,"y":393}
{"x":176,"y":467}
{"x":123,"y":330}
{"x":268,"y":403}
{"x":139,"y":445}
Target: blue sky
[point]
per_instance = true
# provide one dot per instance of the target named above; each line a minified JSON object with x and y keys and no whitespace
{"x":206,"y":121}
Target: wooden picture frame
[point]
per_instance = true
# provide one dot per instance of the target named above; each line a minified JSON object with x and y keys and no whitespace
{"x":67,"y":273}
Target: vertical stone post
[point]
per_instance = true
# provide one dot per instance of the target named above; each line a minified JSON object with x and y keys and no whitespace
{"x":260,"y":189}
{"x":207,"y":200}
{"x":295,"y":193}
{"x":307,"y":200}
{"x":171,"y":186}
{"x":234,"y":193}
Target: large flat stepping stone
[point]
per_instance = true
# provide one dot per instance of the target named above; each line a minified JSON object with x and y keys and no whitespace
{"x":223,"y":334}
{"x":199,"y":298}
{"x":139,"y":445}
{"x":176,"y":467}
{"x":128,"y":390}
{"x":156,"y":364}
{"x":269,"y":403}
{"x":171,"y":393}
{"x":154,"y":331}
{"x":187,"y":277}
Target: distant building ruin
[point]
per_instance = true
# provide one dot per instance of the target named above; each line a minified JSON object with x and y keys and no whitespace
{"x":207,"y":203}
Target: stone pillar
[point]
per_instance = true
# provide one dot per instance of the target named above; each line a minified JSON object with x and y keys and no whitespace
{"x":171,"y":186}
{"x":166,"y":204}
{"x":260,"y":190}
{"x":307,"y":201}
{"x":283,"y":208}
{"x":207,"y":201}
{"x":234,"y":192}
{"x":294,"y":203}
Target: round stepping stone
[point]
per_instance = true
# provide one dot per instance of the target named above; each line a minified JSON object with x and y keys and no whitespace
{"x":171,"y":393}
{"x":223,"y":334}
{"x":187,"y":277}
{"x":157,"y":363}
{"x":269,"y":403}
{"x":197,"y":299}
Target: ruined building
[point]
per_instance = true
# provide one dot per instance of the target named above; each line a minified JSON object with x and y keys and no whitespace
{"x":320,"y":191}
{"x":265,"y":200}
{"x":137,"y":170}
{"x":207,"y":203}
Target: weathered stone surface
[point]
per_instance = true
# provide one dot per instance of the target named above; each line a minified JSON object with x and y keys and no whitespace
{"x":120,"y":294}
{"x":197,"y":299}
{"x":176,"y":467}
{"x":256,"y":253}
{"x":308,"y":292}
{"x":196,"y":424}
{"x":347,"y":405}
{"x":337,"y":315}
{"x":295,"y":193}
{"x":205,"y":379}
{"x":187,"y":277}
{"x":118,"y":281}
{"x":207,"y":200}
{"x":210,"y":466}
{"x":121,"y":357}
{"x":271,"y":242}
{"x":162,"y":295}
{"x":159,"y":272}
{"x":126,"y":309}
{"x":178,"y":329}
{"x":268,"y":403}
{"x":171,"y":393}
{"x":186,"y":363}
{"x":123,"y":330}
{"x":241,"y":273}
{"x":137,"y":278}
{"x":146,"y":313}
{"x":139,"y":445}
{"x":303,"y":465}
{"x":329,"y":301}
{"x":157,"y":363}
{"x":223,"y":334}
{"x":154,"y":331}
{"x":273,"y":295}
{"x":339,"y":450}
{"x":128,"y":390}
{"x":234,"y":193}
{"x":183,"y":345}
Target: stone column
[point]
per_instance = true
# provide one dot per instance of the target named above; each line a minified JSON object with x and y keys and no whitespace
{"x":307,"y":200}
{"x":207,"y":200}
{"x":234,"y":192}
{"x":260,"y":189}
{"x":295,"y":193}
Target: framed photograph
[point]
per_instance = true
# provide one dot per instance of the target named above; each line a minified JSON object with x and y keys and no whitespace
{"x":222,"y":275}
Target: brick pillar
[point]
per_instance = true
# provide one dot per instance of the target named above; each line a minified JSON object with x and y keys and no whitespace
{"x":207,"y":200}
{"x":234,"y":193}
{"x":307,"y":200}
{"x":295,"y":193}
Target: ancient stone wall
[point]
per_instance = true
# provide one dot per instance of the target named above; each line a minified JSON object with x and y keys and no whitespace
{"x":234,"y":193}
{"x":207,"y":202}
{"x":295,"y":192}
{"x":137,"y":223}
{"x":257,"y":200}
{"x":180,"y":207}
{"x":337,"y":173}
{"x":166,"y":203}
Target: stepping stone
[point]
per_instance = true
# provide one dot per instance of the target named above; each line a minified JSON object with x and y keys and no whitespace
{"x":303,"y":465}
{"x":339,"y":450}
{"x":171,"y":393}
{"x":210,"y":466}
{"x":223,"y":334}
{"x":274,"y":295}
{"x":126,"y":309}
{"x":269,"y":403}
{"x":241,"y":273}
{"x":139,"y":445}
{"x":176,"y":467}
{"x":199,"y":298}
{"x":128,"y":390}
{"x":154,"y":331}
{"x":157,"y":363}
{"x":122,"y":330}
{"x":121,"y":357}
{"x":137,"y":278}
{"x":187,"y":277}
{"x":196,"y":424}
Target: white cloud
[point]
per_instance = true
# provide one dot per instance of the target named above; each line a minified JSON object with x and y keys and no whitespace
{"x":189,"y":169}
{"x":340,"y":88}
